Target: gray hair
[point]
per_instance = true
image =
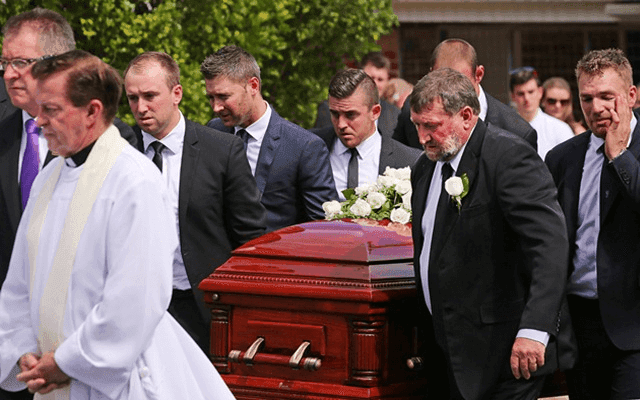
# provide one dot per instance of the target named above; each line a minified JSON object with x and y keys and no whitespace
{"x":232,"y":62}
{"x":453,"y":88}
{"x":55,"y":35}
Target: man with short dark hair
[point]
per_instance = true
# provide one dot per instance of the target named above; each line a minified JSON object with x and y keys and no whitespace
{"x":378,"y":67}
{"x":215,"y":199}
{"x":490,"y":247}
{"x":597,"y":174}
{"x":526,"y":93}
{"x":357,"y":151}
{"x":83,"y":308}
{"x":290,"y":164}
{"x":461,"y":56}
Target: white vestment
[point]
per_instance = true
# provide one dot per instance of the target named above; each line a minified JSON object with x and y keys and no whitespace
{"x":120,"y":342}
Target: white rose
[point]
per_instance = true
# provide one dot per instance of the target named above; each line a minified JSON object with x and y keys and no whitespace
{"x":454,"y":186}
{"x":400,"y":215}
{"x":404,"y":173}
{"x":331,"y":208}
{"x":364,"y":189}
{"x":406,"y":201}
{"x":388,"y":171}
{"x":386,"y":181}
{"x":403,"y":187}
{"x":376,"y":199}
{"x":360,"y":208}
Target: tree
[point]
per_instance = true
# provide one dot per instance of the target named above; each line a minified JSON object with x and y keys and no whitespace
{"x":299,"y":44}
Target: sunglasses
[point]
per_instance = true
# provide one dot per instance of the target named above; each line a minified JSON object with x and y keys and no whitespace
{"x":565,"y":102}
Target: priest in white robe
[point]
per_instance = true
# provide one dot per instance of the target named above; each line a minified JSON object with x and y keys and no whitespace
{"x":83,"y":309}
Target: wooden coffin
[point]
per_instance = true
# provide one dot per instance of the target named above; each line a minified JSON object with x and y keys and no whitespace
{"x":322,"y":310}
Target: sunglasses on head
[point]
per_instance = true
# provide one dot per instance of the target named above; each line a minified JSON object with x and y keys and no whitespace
{"x":552,"y":101}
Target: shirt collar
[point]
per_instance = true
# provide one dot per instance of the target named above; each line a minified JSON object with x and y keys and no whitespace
{"x":364,"y":148}
{"x":173,"y":141}
{"x":25,"y":118}
{"x":80,"y":157}
{"x":596,"y":142}
{"x":482,"y":97}
{"x":258,"y":129}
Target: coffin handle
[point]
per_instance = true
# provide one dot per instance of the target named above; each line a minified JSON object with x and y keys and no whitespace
{"x":251,"y":352}
{"x":296,"y":361}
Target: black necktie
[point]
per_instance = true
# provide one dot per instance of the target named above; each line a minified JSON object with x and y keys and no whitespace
{"x":244,"y":135}
{"x":352,"y":171}
{"x":444,"y":200}
{"x":157,"y":157}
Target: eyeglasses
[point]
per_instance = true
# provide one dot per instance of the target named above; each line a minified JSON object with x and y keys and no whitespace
{"x":19,"y":63}
{"x":550,"y":101}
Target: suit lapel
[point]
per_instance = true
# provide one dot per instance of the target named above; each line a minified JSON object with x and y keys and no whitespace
{"x":270,"y":144}
{"x":569,"y":187}
{"x":10,"y":145}
{"x":610,"y":182}
{"x":447,"y":218}
{"x":190,"y":154}
{"x":422,"y":179}
{"x":386,"y":152}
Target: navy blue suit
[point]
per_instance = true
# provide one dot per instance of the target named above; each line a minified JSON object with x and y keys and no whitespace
{"x":618,"y":258}
{"x":293,"y":173}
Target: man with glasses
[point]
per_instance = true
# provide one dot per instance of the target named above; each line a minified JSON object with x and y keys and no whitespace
{"x":526,"y":93}
{"x":28,"y":37}
{"x":558,"y":102}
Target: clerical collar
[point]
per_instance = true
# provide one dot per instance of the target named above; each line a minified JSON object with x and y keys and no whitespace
{"x":80,"y":157}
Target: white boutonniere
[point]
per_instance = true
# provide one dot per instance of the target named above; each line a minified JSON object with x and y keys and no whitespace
{"x":457,"y":187}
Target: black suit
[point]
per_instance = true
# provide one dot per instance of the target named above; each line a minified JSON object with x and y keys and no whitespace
{"x":6,"y":108}
{"x":386,"y":122}
{"x":497,"y":265}
{"x":293,"y":173}
{"x":393,"y":154}
{"x":618,"y":261}
{"x":498,"y":114}
{"x":218,"y":205}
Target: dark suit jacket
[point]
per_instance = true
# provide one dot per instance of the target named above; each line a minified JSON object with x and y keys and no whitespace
{"x":393,"y":154}
{"x":10,"y":197}
{"x":293,"y":173}
{"x":498,"y":265}
{"x":498,"y":114}
{"x":618,"y":258}
{"x":386,"y":122}
{"x":218,"y":202}
{"x":6,"y":108}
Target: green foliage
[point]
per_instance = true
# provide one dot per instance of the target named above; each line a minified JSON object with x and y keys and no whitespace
{"x":299,"y":44}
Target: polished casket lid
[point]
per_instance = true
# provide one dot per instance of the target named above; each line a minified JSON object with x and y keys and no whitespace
{"x":321,"y":258}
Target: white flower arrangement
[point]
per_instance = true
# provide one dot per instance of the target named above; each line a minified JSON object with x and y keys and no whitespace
{"x":388,"y":198}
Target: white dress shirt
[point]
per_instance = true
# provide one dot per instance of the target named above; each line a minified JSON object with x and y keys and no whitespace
{"x":171,"y":167}
{"x":368,"y":162}
{"x":551,"y":131}
{"x":256,"y":132}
